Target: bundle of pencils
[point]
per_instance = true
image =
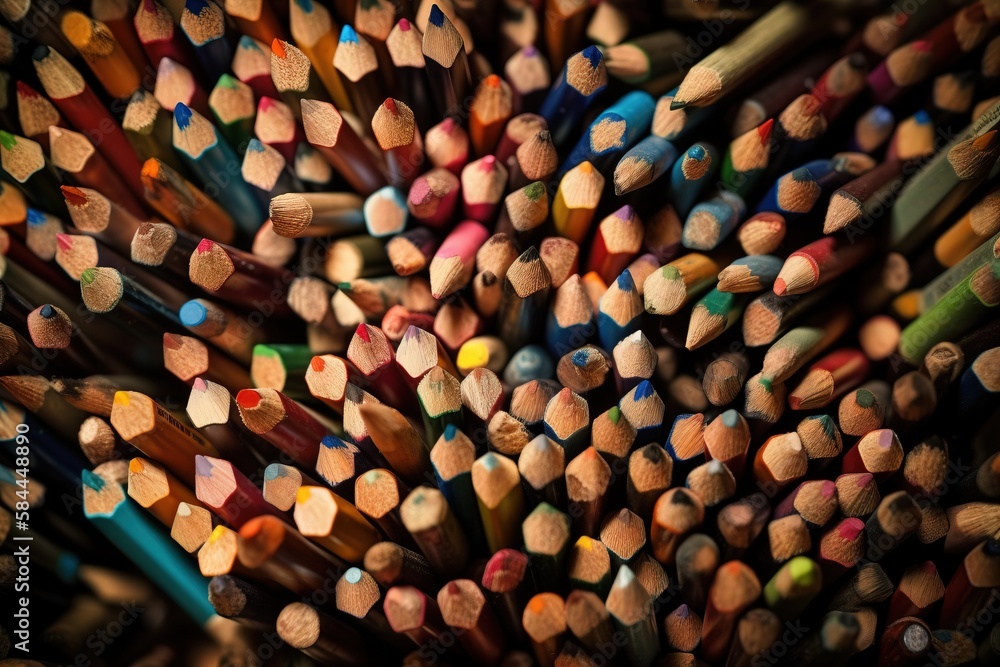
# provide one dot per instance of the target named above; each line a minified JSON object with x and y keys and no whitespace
{"x":500,"y":333}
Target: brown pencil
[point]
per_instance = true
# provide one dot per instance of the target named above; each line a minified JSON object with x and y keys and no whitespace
{"x":464,"y":608}
{"x":734,"y":588}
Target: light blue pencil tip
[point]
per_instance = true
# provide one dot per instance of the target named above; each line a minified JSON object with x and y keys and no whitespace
{"x":192,"y":314}
{"x":347,"y":35}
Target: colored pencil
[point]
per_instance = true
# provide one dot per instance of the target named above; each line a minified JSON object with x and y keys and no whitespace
{"x":581,"y":80}
{"x":729,"y":66}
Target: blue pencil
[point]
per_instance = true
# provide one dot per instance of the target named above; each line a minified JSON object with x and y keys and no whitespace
{"x":873,"y":129}
{"x":643,"y":164}
{"x":796,"y":193}
{"x":692,"y":173}
{"x":619,"y":312}
{"x":531,"y":362}
{"x":750,"y":274}
{"x":580,"y":82}
{"x":205,"y":26}
{"x":979,"y":387}
{"x":455,"y":480}
{"x":678,"y":125}
{"x":710,"y":222}
{"x":570,"y":323}
{"x":54,"y":461}
{"x":159,"y":557}
{"x":216,"y":165}
{"x":644,"y":409}
{"x":613,"y":132}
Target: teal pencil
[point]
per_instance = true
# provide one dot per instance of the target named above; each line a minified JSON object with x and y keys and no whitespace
{"x":650,"y":159}
{"x":619,"y":312}
{"x":710,"y":222}
{"x":451,"y":458}
{"x":613,"y":132}
{"x":217,"y":167}
{"x":750,"y":274}
{"x":159,"y":557}
{"x":692,"y":173}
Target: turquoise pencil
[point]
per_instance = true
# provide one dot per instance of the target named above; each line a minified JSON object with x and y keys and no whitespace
{"x":134,"y":534}
{"x":613,"y":132}
{"x":216,"y":165}
{"x":691,"y":174}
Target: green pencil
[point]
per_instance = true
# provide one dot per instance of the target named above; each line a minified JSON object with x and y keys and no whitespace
{"x":793,"y":587}
{"x":967,"y":304}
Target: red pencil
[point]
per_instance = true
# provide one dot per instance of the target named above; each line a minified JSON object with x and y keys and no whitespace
{"x":240,"y":278}
{"x":829,"y":378}
{"x":159,"y":35}
{"x":433,"y":197}
{"x":734,"y":588}
{"x":877,"y":452}
{"x":275,"y":125}
{"x":370,"y":351}
{"x":397,"y":135}
{"x":617,"y":241}
{"x":228,"y":492}
{"x":447,"y":145}
{"x":282,"y":422}
{"x":337,"y":141}
{"x":70,"y":93}
{"x":820,"y":262}
{"x":483,"y":182}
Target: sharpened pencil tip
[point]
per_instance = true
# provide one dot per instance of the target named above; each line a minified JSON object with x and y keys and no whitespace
{"x":92,"y":480}
{"x":676,"y":104}
{"x":437,"y":16}
{"x":182,"y":115}
{"x":348,"y":35}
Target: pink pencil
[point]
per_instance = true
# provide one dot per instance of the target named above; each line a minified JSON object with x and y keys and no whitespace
{"x":483,"y":184}
{"x":433,"y":197}
{"x":447,"y":145}
{"x":275,"y":125}
{"x":453,"y":263}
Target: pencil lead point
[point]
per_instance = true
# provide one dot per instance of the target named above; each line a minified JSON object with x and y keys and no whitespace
{"x":437,"y":16}
{"x":348,"y":35}
{"x":182,"y":115}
